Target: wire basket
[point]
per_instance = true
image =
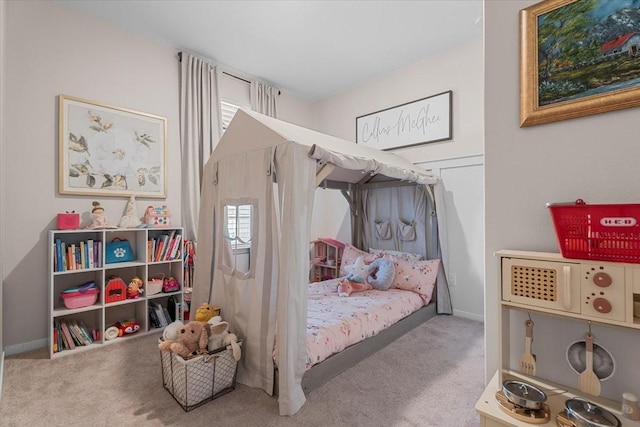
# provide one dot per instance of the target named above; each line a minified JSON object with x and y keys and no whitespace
{"x":597,"y":232}
{"x":194,"y":382}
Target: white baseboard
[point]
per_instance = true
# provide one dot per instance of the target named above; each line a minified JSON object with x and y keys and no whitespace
{"x":27,"y":346}
{"x":467,"y":315}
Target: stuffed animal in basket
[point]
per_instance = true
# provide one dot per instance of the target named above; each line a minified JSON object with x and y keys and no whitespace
{"x":219,"y":336}
{"x":205,"y":312}
{"x":192,"y":340}
{"x":354,"y":281}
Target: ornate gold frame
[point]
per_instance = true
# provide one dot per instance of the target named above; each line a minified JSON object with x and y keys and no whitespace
{"x":531,"y":113}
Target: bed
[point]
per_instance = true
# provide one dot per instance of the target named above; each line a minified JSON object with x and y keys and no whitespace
{"x":341,"y":330}
{"x":267,"y":299}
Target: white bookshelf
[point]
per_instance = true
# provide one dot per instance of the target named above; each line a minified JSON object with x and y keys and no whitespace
{"x":101,"y":315}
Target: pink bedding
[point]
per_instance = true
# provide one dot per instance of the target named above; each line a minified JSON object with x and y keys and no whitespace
{"x":334,"y":323}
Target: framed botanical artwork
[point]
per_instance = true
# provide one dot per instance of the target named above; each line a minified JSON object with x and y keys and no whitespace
{"x":577,"y":58}
{"x":110,"y":151}
{"x":417,"y":122}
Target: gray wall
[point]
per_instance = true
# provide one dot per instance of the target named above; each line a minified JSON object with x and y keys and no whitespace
{"x":459,"y":160}
{"x":49,"y":49}
{"x":594,"y":158}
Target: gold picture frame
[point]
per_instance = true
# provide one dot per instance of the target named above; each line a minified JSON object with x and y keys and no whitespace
{"x":566,"y":71}
{"x":110,"y":151}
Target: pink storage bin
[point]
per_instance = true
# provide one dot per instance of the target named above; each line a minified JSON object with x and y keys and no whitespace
{"x":80,"y":299}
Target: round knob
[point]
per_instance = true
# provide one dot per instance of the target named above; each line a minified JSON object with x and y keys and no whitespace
{"x":602,"y":279}
{"x":602,"y":305}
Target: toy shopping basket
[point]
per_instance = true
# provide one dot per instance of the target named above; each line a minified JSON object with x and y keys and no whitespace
{"x":597,"y":232}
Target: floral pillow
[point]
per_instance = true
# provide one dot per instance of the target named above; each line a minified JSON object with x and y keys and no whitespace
{"x":350,"y":255}
{"x":416,"y":276}
{"x":408,"y":256}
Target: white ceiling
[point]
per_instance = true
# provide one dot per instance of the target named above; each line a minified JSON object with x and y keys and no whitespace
{"x":311,"y":49}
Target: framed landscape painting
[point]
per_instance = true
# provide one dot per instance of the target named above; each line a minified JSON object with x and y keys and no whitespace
{"x":110,"y":151}
{"x":578,"y":57}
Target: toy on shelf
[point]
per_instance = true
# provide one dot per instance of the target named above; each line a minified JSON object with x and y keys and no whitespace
{"x":80,"y":296}
{"x":68,"y":220}
{"x":134,"y":289}
{"x":130,"y":218}
{"x":170,"y":284}
{"x":98,"y":218}
{"x":116,"y":290}
{"x":119,"y":329}
{"x":157,"y":217}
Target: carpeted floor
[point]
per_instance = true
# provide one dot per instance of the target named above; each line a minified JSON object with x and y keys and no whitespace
{"x":431,"y":376}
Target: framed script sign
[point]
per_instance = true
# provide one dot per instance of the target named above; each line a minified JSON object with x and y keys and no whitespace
{"x":418,"y":122}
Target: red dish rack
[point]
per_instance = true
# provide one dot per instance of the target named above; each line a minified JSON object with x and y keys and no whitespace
{"x":597,"y":232}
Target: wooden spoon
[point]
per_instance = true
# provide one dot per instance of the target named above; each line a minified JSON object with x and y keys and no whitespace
{"x":588,"y":381}
{"x":528,"y":360}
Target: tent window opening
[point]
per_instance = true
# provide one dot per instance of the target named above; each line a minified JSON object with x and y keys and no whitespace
{"x":238,"y":227}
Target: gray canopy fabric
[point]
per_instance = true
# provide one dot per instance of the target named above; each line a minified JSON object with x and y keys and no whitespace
{"x":274,"y":167}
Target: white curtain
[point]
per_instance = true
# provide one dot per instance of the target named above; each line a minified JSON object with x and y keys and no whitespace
{"x":200,"y":131}
{"x":264,"y":99}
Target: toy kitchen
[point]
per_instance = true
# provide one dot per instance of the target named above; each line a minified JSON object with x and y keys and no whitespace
{"x":558,"y":322}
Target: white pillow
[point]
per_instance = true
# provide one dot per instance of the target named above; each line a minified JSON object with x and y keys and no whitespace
{"x":407,"y":256}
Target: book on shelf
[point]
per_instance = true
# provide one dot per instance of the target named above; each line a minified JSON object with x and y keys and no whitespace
{"x":169,"y":244}
{"x":159,"y":250}
{"x":67,"y":335}
{"x":91,"y":263}
{"x":160,"y":315}
{"x":83,"y":258}
{"x":175,"y":250}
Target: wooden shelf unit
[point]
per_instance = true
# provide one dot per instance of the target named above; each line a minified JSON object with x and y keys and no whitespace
{"x":101,"y":315}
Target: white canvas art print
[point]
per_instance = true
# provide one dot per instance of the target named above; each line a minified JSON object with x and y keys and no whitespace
{"x":110,"y":151}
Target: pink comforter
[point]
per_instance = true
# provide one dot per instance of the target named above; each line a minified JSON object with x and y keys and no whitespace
{"x":334,"y":323}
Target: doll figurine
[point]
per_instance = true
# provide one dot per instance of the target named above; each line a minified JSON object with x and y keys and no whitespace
{"x":98,"y":218}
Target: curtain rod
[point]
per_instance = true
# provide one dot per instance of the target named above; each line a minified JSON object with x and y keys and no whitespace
{"x":236,"y":77}
{"x":224,"y":72}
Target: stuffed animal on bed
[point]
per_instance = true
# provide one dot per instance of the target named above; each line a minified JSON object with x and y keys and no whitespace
{"x":192,"y":340}
{"x":381,"y":273}
{"x":378,"y":275}
{"x":355,"y":281}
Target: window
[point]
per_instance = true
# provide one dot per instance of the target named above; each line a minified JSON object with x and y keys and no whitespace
{"x":238,"y":227}
{"x":227,"y":111}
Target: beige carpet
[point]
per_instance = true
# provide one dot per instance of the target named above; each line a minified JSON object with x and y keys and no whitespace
{"x":431,"y":376}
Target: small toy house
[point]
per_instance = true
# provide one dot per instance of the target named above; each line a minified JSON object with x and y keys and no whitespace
{"x":326,"y":259}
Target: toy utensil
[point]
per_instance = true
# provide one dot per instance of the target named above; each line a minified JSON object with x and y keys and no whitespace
{"x":588,"y":381}
{"x":528,"y":360}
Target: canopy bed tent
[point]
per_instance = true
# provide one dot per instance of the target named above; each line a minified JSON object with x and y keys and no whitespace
{"x":269,"y":169}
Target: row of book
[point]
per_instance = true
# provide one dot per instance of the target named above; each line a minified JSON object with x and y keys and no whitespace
{"x":159,"y":315}
{"x":164,"y":247}
{"x":77,"y":256}
{"x":69,"y":335}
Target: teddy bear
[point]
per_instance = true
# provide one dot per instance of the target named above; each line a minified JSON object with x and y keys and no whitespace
{"x":192,"y":339}
{"x":219,"y":336}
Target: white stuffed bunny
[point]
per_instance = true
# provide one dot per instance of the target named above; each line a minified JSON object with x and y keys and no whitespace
{"x":220,"y":336}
